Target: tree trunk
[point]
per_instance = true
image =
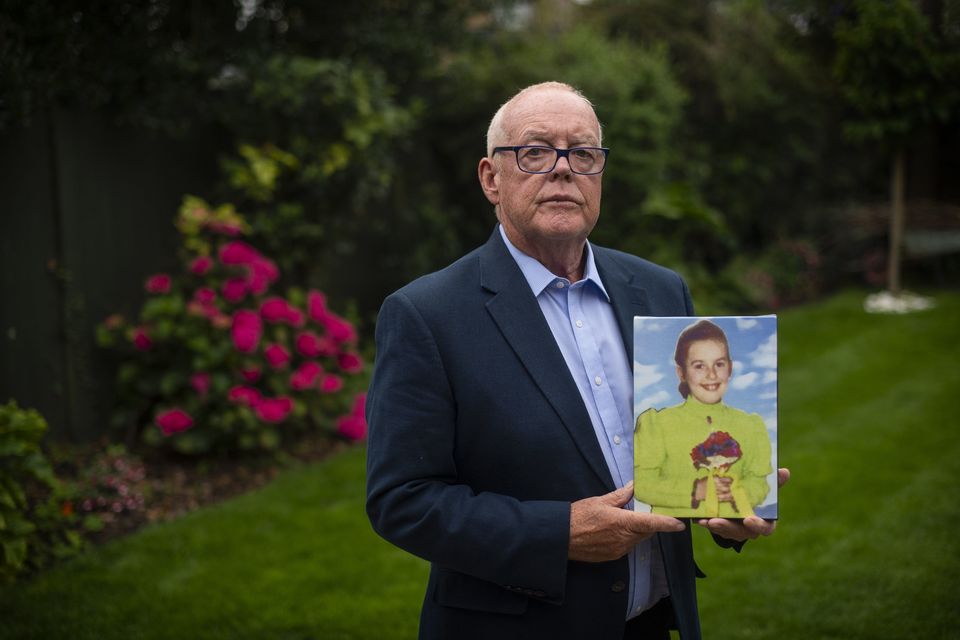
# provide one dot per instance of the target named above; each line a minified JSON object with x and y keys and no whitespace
{"x":896,"y":223}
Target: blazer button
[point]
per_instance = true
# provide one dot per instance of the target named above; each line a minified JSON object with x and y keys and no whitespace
{"x":618,"y":586}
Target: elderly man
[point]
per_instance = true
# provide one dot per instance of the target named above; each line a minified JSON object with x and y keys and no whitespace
{"x":500,"y":410}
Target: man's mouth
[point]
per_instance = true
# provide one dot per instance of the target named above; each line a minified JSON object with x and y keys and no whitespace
{"x":569,"y":199}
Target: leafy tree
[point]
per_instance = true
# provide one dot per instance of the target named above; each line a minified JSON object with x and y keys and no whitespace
{"x":897,"y":75}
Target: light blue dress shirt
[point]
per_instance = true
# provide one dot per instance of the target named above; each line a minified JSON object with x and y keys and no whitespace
{"x":584,"y":325}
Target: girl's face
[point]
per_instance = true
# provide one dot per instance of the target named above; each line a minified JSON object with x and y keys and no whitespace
{"x":706,"y":371}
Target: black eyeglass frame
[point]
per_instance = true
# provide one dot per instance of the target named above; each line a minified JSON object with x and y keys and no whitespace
{"x":561,"y":153}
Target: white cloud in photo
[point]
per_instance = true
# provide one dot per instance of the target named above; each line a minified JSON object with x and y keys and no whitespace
{"x":645,"y":375}
{"x":738,"y":367}
{"x":765,"y":355}
{"x":770,"y":421}
{"x":744,"y":381}
{"x":770,"y":376}
{"x":769,"y":395}
{"x":648,"y":324}
{"x":657,"y":400}
{"x":746,"y":323}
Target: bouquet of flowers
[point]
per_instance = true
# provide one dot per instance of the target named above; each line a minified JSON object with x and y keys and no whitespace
{"x":717,"y":454}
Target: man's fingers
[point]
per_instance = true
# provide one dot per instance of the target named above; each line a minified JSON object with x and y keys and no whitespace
{"x":652,"y":523}
{"x":751,"y":528}
{"x":783,"y":475}
{"x":620,"y":496}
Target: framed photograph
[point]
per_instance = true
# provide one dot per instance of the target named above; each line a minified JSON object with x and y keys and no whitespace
{"x":705,"y":411}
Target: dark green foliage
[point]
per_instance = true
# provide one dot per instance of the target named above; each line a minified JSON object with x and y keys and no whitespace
{"x":33,"y":528}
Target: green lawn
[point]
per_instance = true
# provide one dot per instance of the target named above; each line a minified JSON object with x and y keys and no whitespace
{"x":867,"y":548}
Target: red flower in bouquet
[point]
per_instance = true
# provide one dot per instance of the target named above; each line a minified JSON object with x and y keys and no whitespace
{"x":718,"y":450}
{"x":173,"y":421}
{"x":308,"y":344}
{"x":273,"y":409}
{"x":246,"y":331}
{"x":159,"y":283}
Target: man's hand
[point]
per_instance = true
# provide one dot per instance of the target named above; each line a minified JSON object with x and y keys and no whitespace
{"x":602,"y":530}
{"x":752,"y":527}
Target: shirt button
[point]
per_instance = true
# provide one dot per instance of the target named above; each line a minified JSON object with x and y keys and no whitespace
{"x":598,"y":381}
{"x":559,"y":285}
{"x":642,"y":558}
{"x":579,"y":323}
{"x":618,"y":586}
{"x":616,"y":439}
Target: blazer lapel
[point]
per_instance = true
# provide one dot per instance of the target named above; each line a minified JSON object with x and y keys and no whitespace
{"x":517,"y":314}
{"x":628,"y":299}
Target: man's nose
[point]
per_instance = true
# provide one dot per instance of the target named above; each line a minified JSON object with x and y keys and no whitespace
{"x":562,"y":168}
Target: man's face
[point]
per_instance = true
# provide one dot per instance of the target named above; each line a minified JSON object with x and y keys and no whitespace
{"x":543,"y":210}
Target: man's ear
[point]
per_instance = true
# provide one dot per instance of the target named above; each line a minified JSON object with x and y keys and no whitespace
{"x":489,"y":180}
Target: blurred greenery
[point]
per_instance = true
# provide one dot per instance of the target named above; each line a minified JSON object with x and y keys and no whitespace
{"x":865,"y":547}
{"x":727,"y":120}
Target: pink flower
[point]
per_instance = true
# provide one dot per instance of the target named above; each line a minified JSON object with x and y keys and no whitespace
{"x":331,"y":383}
{"x":339,"y":329}
{"x":275,"y":310}
{"x":205,"y":296}
{"x":200,"y":265}
{"x":295,"y":317}
{"x":250,"y":375}
{"x":141,"y":339}
{"x":174,"y":421}
{"x":246,"y":331}
{"x":260,"y":274}
{"x":352,"y":427}
{"x":305,"y":376}
{"x":359,"y":404}
{"x":159,"y":283}
{"x":308,"y":344}
{"x":196,"y":309}
{"x":200,"y":382}
{"x":316,"y":306}
{"x":274,"y":409}
{"x":244,"y":395}
{"x":277,"y":356}
{"x":237,"y":252}
{"x":234,"y":289}
{"x":350,"y":362}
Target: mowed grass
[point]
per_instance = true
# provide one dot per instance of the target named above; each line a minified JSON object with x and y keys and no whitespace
{"x":868,"y":543}
{"x":867,"y":546}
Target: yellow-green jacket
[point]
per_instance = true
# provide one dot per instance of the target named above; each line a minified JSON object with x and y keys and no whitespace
{"x":664,"y":473}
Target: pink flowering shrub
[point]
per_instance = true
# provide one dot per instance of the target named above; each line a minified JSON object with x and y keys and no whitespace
{"x":218,"y":359}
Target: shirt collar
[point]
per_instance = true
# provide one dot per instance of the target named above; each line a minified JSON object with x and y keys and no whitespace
{"x":539,"y":277}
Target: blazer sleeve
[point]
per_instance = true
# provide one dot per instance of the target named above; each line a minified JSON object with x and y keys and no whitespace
{"x":415,"y":499}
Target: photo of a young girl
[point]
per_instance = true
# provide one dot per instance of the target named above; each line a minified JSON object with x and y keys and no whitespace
{"x":703,"y":458}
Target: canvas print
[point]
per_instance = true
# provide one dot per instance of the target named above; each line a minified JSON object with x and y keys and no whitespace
{"x":705,"y":411}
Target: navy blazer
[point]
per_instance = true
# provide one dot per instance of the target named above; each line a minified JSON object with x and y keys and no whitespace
{"x":479,"y":441}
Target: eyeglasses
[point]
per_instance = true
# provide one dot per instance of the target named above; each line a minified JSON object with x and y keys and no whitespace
{"x":586,"y":161}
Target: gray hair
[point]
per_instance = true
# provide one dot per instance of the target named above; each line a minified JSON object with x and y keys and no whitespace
{"x":497,"y":135}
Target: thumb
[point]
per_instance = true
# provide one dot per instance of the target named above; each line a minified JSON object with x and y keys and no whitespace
{"x":619,"y":497}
